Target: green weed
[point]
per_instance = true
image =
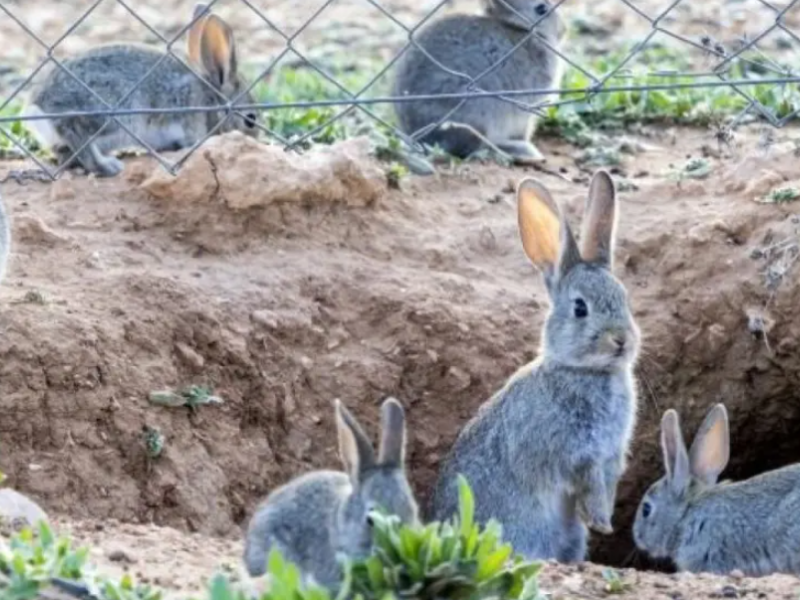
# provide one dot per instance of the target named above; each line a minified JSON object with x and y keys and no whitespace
{"x":781,"y":195}
{"x":618,"y":109}
{"x":153,"y":441}
{"x":192,"y":396}
{"x":614,"y":583}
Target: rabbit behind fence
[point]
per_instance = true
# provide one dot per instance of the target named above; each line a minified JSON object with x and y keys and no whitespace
{"x":473,"y":45}
{"x":545,"y":454}
{"x":112,"y":71}
{"x":322,"y":514}
{"x":704,"y":526}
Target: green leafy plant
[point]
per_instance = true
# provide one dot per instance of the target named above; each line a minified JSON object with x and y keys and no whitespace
{"x":192,"y":396}
{"x":459,"y":559}
{"x":153,"y":441}
{"x":28,"y":562}
{"x":695,"y":168}
{"x":781,"y":195}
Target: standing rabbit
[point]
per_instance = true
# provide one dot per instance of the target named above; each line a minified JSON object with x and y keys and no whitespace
{"x":322,"y":514}
{"x":472,"y":45}
{"x":751,"y":526}
{"x":113,"y":71}
{"x":545,"y":454}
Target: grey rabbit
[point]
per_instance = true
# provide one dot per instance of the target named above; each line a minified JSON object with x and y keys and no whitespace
{"x":323,"y":514}
{"x":113,"y":70}
{"x":5,"y":239}
{"x":545,"y":453}
{"x":471,"y":45}
{"x":705,"y":526}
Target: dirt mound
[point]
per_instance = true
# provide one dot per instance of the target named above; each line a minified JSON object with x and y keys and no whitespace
{"x":424,"y":294}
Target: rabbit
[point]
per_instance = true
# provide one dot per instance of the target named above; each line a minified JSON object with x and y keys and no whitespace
{"x":5,"y":239}
{"x":544,"y":455}
{"x":471,"y":45}
{"x":321,"y":515}
{"x":111,"y":71}
{"x":705,"y":526}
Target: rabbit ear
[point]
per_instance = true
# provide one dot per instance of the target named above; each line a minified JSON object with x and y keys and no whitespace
{"x":676,"y":460}
{"x":355,"y":449}
{"x":546,"y":236}
{"x":195,"y":32}
{"x":599,"y":221}
{"x":711,"y":447}
{"x":393,"y":434}
{"x":218,"y":51}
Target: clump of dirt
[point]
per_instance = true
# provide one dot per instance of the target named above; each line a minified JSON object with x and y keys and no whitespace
{"x":243,"y":173}
{"x":424,"y":295}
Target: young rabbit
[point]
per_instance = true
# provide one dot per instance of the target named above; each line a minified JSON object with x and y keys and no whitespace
{"x":113,"y":71}
{"x":703,"y":526}
{"x":545,"y":454}
{"x":471,"y":45}
{"x":5,"y":239}
{"x":322,"y":514}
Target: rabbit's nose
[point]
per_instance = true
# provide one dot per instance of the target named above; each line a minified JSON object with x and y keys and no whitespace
{"x":617,"y":340}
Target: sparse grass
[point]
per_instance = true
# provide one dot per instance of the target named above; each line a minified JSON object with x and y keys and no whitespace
{"x":7,"y":148}
{"x":577,"y":121}
{"x":289,"y":85}
{"x":683,"y":106}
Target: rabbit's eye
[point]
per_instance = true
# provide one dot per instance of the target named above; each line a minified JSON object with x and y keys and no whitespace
{"x":647,"y":508}
{"x":250,"y":119}
{"x":370,"y":520}
{"x":541,"y":9}
{"x":580,"y":309}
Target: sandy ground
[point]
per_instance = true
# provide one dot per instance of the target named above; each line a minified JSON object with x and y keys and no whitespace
{"x":424,"y":295}
{"x":181,"y":562}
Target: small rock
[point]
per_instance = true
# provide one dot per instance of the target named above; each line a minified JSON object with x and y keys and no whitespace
{"x":121,"y":556}
{"x":737,"y":574}
{"x":188,"y":355}
{"x":265,"y":317}
{"x":463,"y":379}
{"x":729,"y":591}
{"x":16,"y":507}
{"x":33,"y":230}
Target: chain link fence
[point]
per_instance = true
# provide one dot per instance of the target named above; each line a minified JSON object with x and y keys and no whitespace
{"x":748,"y":58}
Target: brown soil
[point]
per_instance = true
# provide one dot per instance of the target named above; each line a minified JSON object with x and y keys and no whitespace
{"x":426,"y":296}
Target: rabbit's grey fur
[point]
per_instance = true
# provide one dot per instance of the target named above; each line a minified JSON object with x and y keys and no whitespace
{"x":751,"y":526}
{"x":470,"y":45}
{"x":5,"y":239}
{"x":111,"y":71}
{"x":545,"y":454}
{"x":320,"y":515}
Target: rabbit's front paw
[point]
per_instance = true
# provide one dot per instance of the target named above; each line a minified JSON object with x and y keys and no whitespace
{"x":595,"y":515}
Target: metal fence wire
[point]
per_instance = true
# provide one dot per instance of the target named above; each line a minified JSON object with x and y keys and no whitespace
{"x":717,"y":71}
